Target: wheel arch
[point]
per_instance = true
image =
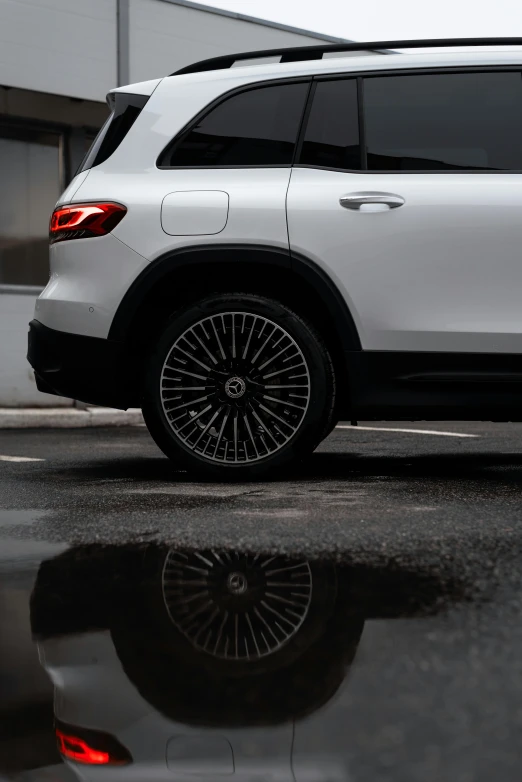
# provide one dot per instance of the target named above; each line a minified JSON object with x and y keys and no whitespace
{"x":210,"y":267}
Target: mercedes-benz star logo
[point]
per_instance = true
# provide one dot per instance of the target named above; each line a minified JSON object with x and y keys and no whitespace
{"x":235,"y":387}
{"x":237,"y":583}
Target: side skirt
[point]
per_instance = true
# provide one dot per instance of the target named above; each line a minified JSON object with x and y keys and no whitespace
{"x":395,"y":385}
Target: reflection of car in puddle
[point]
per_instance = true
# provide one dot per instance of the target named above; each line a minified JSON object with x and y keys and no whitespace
{"x":198,"y":664}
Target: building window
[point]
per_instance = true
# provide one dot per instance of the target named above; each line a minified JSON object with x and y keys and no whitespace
{"x":31,"y":162}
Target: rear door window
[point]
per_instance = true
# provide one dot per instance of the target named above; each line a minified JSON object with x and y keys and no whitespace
{"x":332,"y":131}
{"x":444,"y":122}
{"x":257,"y":127}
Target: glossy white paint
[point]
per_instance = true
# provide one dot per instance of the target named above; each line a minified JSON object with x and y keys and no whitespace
{"x":140,"y":88}
{"x":71,"y":189}
{"x":194,"y":212}
{"x":256,"y":213}
{"x":88,"y":280}
{"x":441,"y":273}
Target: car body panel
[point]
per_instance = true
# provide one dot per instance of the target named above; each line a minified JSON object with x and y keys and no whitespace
{"x":441,"y":273}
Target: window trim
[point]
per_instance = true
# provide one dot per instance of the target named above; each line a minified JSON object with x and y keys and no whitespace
{"x":307,"y":79}
{"x":306,"y":117}
{"x":405,"y":72}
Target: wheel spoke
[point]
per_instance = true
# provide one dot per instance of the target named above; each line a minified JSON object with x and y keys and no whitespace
{"x":249,"y":338}
{"x":280,"y":371}
{"x":207,"y":427}
{"x":230,"y":416}
{"x":223,"y":354}
{"x":207,"y":351}
{"x":273,"y":358}
{"x":247,"y":424}
{"x":221,"y":431}
{"x":281,"y":401}
{"x":281,"y":420}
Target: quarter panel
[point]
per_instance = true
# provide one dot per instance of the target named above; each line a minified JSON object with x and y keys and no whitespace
{"x":89,"y":277}
{"x":256,"y":211}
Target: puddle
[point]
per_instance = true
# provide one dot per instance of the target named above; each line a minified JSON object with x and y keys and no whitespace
{"x":197,"y":664}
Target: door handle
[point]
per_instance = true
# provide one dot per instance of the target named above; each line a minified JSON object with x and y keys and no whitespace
{"x":356,"y":200}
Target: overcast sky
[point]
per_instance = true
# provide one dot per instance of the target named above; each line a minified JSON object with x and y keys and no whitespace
{"x":389,"y":19}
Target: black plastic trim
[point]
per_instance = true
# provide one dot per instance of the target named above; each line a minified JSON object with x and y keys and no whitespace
{"x":227,"y":253}
{"x":410,"y":385}
{"x":303,"y":53}
{"x":362,"y":128}
{"x":92,"y":370}
{"x":304,"y":122}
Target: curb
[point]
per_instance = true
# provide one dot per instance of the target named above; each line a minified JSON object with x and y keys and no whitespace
{"x":67,"y":418}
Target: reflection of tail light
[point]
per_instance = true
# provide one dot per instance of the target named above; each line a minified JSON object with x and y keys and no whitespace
{"x":91,"y":747}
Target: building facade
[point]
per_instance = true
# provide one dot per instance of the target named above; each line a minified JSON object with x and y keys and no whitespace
{"x":59,"y":59}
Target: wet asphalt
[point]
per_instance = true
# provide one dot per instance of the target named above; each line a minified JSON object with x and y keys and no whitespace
{"x":430,"y":525}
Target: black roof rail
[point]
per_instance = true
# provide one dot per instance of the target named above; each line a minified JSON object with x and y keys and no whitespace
{"x":303,"y":53}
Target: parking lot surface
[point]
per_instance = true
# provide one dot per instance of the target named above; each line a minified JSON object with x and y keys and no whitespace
{"x":422,"y":528}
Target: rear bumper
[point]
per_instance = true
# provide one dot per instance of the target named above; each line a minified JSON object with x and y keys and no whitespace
{"x":92,"y":370}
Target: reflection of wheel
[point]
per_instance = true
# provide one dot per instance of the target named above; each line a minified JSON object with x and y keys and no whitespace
{"x":162,"y":648}
{"x":236,"y":607}
{"x":238,"y":614}
{"x":238,"y":385}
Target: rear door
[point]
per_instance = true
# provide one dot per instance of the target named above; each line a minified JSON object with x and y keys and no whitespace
{"x":408,"y":192}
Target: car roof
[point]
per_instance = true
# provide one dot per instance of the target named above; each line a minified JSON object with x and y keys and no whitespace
{"x":361,"y":62}
{"x":247,"y":72}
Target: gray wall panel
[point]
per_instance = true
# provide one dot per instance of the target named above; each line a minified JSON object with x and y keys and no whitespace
{"x":67,"y":47}
{"x":165,"y":36}
{"x":17,"y":384}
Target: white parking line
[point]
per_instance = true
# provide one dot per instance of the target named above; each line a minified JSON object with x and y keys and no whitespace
{"x":19,"y":459}
{"x":408,"y":431}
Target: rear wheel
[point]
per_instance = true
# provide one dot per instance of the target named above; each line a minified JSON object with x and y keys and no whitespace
{"x":238,"y":385}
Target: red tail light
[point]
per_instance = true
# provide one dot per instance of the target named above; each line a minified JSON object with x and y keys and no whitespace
{"x":81,"y":221}
{"x":91,"y":747}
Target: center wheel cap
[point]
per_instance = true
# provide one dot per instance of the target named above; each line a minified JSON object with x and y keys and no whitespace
{"x":235,"y":387}
{"x":237,"y":584}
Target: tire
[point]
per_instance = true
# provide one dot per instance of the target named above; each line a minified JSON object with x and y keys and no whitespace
{"x":233,"y":417}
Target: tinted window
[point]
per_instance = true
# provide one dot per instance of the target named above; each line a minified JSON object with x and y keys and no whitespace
{"x":444,"y":122}
{"x":332,"y":131}
{"x":254,"y":128}
{"x":127,"y":108}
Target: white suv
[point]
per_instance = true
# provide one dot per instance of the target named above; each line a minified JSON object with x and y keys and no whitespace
{"x":251,"y":253}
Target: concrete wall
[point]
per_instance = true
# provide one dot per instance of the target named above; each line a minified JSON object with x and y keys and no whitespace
{"x":165,"y":36}
{"x":67,"y":47}
{"x":17,"y":384}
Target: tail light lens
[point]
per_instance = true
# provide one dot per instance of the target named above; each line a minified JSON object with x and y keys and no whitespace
{"x":81,"y":221}
{"x":90,"y":747}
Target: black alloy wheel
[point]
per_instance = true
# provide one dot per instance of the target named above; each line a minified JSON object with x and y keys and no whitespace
{"x":239,"y":385}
